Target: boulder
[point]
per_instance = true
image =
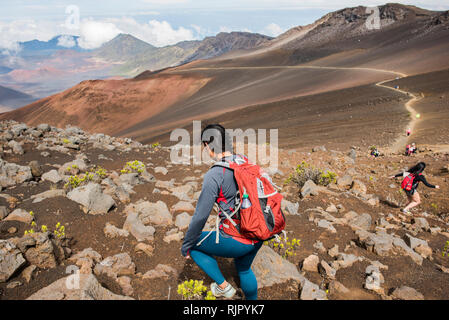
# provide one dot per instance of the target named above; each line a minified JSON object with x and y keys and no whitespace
{"x":182,"y":220}
{"x":125,"y":284}
{"x":16,"y":147}
{"x":406,"y":293}
{"x":345,"y":260}
{"x":112,"y":231}
{"x":52,"y":176}
{"x":311,"y":291}
{"x":47,"y":194}
{"x":20,"y":215}
{"x":134,"y":225}
{"x":361,"y":222}
{"x":420,"y":224}
{"x":311,"y":263}
{"x":36,"y":168}
{"x":326,"y":270}
{"x":131,"y":179}
{"x":12,"y":174}
{"x":413,"y":242}
{"x":87,"y":288}
{"x":289,"y":207}
{"x":326,"y":225}
{"x":380,"y":243}
{"x":73,"y":167}
{"x":161,"y":170}
{"x":92,"y":198}
{"x":161,"y":271}
{"x":3,"y":212}
{"x":173,"y":235}
{"x":11,"y":260}
{"x":332,"y":209}
{"x":270,"y":268}
{"x":114,"y":266}
{"x":374,"y":279}
{"x":338,"y":288}
{"x":183,"y":206}
{"x":309,"y":189}
{"x":145,"y":248}
{"x":154,"y":213}
{"x":358,"y":187}
{"x":344,"y":182}
{"x":402,"y":247}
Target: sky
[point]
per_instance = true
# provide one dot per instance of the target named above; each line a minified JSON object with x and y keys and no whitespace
{"x":162,"y":22}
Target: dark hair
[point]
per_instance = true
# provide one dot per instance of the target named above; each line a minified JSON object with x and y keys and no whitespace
{"x":418,"y":168}
{"x":217,"y":138}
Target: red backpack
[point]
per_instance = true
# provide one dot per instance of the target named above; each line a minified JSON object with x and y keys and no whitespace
{"x":264,"y":219}
{"x":407,"y":183}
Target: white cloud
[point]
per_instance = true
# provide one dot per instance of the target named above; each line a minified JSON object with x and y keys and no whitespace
{"x":228,"y":29}
{"x":155,"y":32}
{"x":24,"y":30}
{"x":66,"y":41}
{"x":272,"y":30}
{"x":94,"y":33}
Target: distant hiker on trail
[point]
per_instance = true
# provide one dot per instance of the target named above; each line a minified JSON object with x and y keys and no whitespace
{"x":374,"y":152}
{"x":409,"y":132}
{"x":409,"y":149}
{"x":410,"y":183}
{"x":222,"y":185}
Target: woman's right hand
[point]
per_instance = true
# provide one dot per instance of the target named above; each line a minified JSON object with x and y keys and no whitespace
{"x":437,"y":187}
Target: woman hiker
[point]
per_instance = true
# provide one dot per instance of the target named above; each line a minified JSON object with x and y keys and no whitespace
{"x":219,"y":185}
{"x":412,"y":195}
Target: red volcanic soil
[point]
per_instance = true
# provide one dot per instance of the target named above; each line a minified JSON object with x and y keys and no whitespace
{"x":108,"y":106}
{"x":239,"y":87}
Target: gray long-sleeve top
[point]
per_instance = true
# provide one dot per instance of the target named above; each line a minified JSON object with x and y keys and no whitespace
{"x":216,"y":180}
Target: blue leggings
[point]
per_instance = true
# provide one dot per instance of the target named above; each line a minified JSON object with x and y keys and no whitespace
{"x":244,"y":255}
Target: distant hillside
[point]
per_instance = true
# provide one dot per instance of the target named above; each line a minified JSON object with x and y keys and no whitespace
{"x":12,"y":99}
{"x":59,"y":42}
{"x":123,"y":47}
{"x":222,"y":43}
{"x":10,"y":94}
{"x":140,"y":56}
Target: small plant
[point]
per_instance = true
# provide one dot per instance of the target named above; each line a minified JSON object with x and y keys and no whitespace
{"x":446,"y":249}
{"x":66,"y":141}
{"x":155,"y":145}
{"x":101,"y":172}
{"x":133,"y":166}
{"x":283,"y":246}
{"x":194,"y":289}
{"x":434,"y":207}
{"x":305,"y":172}
{"x":76,"y":181}
{"x":59,"y":231}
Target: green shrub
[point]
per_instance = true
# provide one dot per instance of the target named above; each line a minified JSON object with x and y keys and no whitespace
{"x":133,"y":166}
{"x":284,"y":247}
{"x":194,"y":289}
{"x":305,"y":172}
